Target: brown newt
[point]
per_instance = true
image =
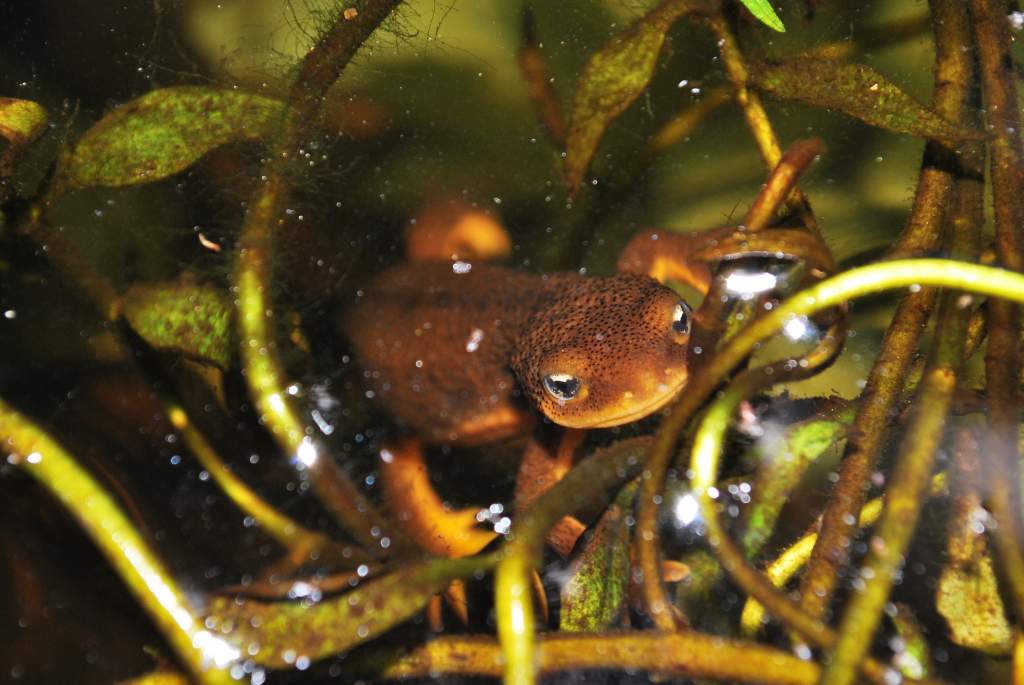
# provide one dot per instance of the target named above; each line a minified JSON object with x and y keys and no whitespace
{"x":460,"y":352}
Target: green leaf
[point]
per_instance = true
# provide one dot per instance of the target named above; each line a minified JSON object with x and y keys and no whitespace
{"x":763,"y":11}
{"x":968,"y":598}
{"x":164,"y":132}
{"x":21,"y":121}
{"x":595,"y":594}
{"x":188,"y":319}
{"x":277,"y":634}
{"x":612,"y":79}
{"x":781,"y":464}
{"x":858,"y":91}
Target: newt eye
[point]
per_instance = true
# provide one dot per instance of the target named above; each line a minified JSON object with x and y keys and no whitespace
{"x":562,"y":386}
{"x":681,"y":318}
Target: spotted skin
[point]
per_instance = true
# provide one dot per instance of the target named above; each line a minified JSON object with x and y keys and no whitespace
{"x":461,"y":357}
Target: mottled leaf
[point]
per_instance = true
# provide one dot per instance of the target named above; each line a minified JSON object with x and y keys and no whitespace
{"x":21,"y":121}
{"x":968,"y":598}
{"x":279,"y":634}
{"x":856,"y":90}
{"x":612,"y":79}
{"x":185,"y":318}
{"x":595,"y":594}
{"x":164,"y":132}
{"x":783,"y":459}
{"x":765,"y":13}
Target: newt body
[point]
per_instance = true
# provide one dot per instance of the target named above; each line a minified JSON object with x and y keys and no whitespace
{"x":463,"y":354}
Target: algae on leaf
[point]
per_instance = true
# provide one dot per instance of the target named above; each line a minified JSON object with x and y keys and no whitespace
{"x":613,"y":78}
{"x":166,"y":131}
{"x":856,"y":90}
{"x":188,"y":319}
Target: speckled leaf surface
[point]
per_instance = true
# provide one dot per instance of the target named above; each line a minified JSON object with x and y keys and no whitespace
{"x":967,"y":596}
{"x":612,"y":79}
{"x":856,"y":90}
{"x":595,"y":594}
{"x":166,"y":131}
{"x":21,"y":121}
{"x":189,"y":319}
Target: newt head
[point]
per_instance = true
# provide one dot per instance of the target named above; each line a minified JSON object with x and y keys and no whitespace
{"x":607,"y":351}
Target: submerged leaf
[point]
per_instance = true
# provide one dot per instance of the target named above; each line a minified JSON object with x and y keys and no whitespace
{"x":164,"y":132}
{"x":185,"y":318}
{"x":765,"y":13}
{"x":612,"y":79}
{"x":596,"y":591}
{"x":21,"y":121}
{"x":279,"y":634}
{"x":856,"y":90}
{"x":782,"y":462}
{"x":968,"y":598}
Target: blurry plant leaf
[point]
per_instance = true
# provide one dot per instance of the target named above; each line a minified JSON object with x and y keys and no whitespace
{"x":782,"y":462}
{"x":967,"y":596}
{"x":595,"y":594}
{"x":286,"y":631}
{"x":21,"y":121}
{"x":913,"y":657}
{"x":612,"y":79}
{"x":765,"y":13}
{"x":856,"y":90}
{"x":185,"y":318}
{"x":164,"y":132}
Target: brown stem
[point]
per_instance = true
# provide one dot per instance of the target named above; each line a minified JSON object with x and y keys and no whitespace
{"x":953,"y":74}
{"x":1002,"y":361}
{"x":753,"y":111}
{"x":679,"y":655}
{"x":534,"y":70}
{"x":908,"y":489}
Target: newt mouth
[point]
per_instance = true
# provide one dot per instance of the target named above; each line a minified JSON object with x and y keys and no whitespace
{"x":635,"y":412}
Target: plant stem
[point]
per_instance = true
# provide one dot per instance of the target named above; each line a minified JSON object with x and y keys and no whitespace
{"x":206,"y":655}
{"x":1002,"y":361}
{"x":584,"y":486}
{"x":254,"y":274}
{"x":676,"y":655}
{"x":953,"y":75}
{"x":753,"y":111}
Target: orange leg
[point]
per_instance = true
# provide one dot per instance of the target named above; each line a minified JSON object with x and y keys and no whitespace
{"x":539,"y":471}
{"x":425,"y":518}
{"x":449,"y":230}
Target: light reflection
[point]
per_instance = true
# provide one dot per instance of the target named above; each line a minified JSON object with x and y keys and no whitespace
{"x":276,"y":402}
{"x":307,"y":454}
{"x":747,"y":284}
{"x":215,"y":650}
{"x":474,"y":340}
{"x":796,"y":328}
{"x":686,"y":510}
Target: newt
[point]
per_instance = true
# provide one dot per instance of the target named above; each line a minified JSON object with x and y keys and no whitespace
{"x":460,"y":351}
{"x":465,"y":352}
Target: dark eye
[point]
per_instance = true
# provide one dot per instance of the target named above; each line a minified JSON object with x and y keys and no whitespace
{"x":681,"y":318}
{"x":562,"y":386}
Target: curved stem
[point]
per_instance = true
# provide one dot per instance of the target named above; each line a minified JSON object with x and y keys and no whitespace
{"x":584,"y":486}
{"x":828,"y":293}
{"x":301,"y":542}
{"x":261,"y":361}
{"x":795,"y":557}
{"x":206,"y":655}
